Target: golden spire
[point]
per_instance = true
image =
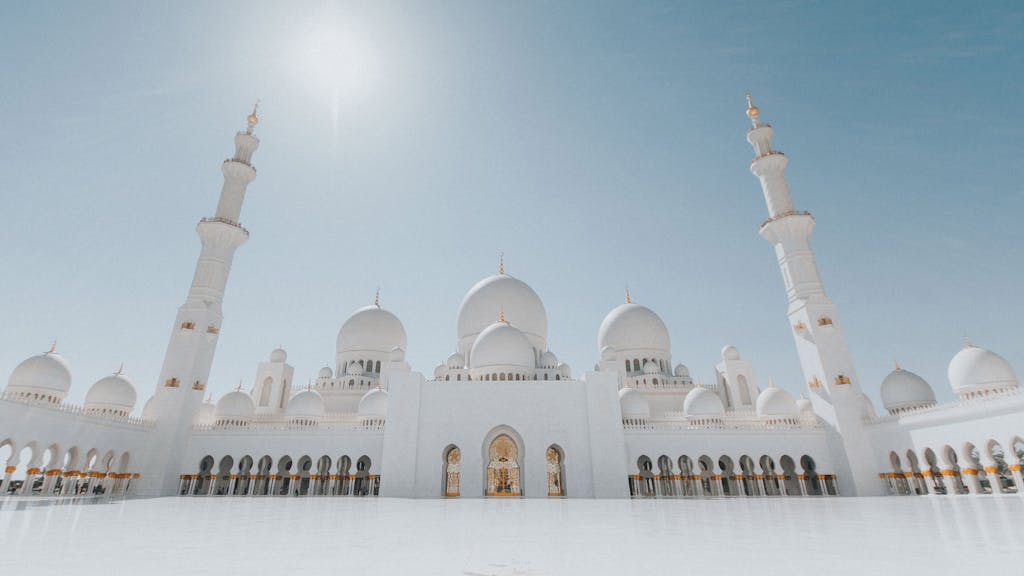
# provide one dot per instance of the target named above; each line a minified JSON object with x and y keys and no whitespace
{"x":501,"y":315}
{"x":239,"y":387}
{"x":253,"y":118}
{"x":967,"y":342}
{"x":376,"y":298}
{"x":897,"y":363}
{"x":628,"y":299}
{"x":120,"y":370}
{"x":501,"y":263}
{"x":53,"y":347}
{"x":752,"y":111}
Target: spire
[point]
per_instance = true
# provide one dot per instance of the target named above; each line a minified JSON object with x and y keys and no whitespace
{"x":253,"y":118}
{"x":628,"y":299}
{"x":501,"y":315}
{"x":753,"y":112}
{"x":239,"y":387}
{"x":376,"y":298}
{"x":897,"y":363}
{"x":53,"y":347}
{"x":120,"y":370}
{"x":967,"y":342}
{"x":501,"y":263}
{"x":771,"y":383}
{"x":209,"y":398}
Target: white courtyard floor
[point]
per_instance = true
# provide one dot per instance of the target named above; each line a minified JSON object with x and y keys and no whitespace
{"x":309,"y":536}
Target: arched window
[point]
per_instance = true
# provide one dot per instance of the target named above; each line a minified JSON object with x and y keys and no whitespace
{"x":376,"y":367}
{"x":556,"y":472}
{"x":627,"y":365}
{"x":636,"y":365}
{"x":502,"y":376}
{"x":452,"y":471}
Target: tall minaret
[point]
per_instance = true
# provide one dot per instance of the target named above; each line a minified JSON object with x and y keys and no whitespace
{"x":194,"y":335}
{"x":824,"y":356}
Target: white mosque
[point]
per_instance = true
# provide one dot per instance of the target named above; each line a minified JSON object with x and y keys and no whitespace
{"x":502,"y":416}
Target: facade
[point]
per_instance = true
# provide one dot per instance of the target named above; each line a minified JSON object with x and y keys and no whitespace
{"x":502,"y":416}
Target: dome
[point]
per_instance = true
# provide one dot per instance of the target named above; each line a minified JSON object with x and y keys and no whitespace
{"x":548,"y":360}
{"x":903,"y":389}
{"x":354,"y":369}
{"x":235,"y":405}
{"x":371,"y":329}
{"x":456,"y":361}
{"x":975,"y":370}
{"x":867,"y":407}
{"x":205,"y":415}
{"x":651,"y":368}
{"x":564,"y":370}
{"x":803,"y":404}
{"x":278,"y":355}
{"x":502,"y":293}
{"x":703,"y":402}
{"x":149,"y":409}
{"x":114,"y":393}
{"x":307,"y":403}
{"x":730,"y":352}
{"x":501,"y":344}
{"x":607,"y":353}
{"x":325,"y":373}
{"x":634,"y":405}
{"x":45,"y":374}
{"x":775,"y":402}
{"x":633,"y":327}
{"x":397,"y":354}
{"x":682,"y":371}
{"x":374,"y":404}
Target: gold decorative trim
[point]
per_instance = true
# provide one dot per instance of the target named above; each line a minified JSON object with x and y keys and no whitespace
{"x":188,"y":325}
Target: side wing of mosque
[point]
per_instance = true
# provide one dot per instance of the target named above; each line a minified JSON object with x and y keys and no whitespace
{"x":502,"y":416}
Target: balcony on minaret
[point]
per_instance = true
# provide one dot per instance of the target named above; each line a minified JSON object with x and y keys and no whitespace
{"x":842,"y":380}
{"x":825,"y":322}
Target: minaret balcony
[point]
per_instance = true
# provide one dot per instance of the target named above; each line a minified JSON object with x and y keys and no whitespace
{"x":225,"y":221}
{"x":785,"y":215}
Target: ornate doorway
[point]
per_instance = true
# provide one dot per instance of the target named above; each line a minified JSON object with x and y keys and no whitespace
{"x":453,"y":468}
{"x":503,"y":467}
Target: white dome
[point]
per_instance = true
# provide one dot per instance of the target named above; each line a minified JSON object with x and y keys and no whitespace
{"x":278,"y":355}
{"x":703,"y":402}
{"x":397,"y":354}
{"x":803,"y":404}
{"x":774,"y":401}
{"x":903,"y":389}
{"x":371,"y":329}
{"x":682,"y":371}
{"x":867,"y":407}
{"x":548,"y":360}
{"x":607,"y":353}
{"x":501,"y":345}
{"x":235,"y":405}
{"x":307,"y":403}
{"x":206,"y":414}
{"x":633,"y":327}
{"x":729,"y":352}
{"x":456,"y":361}
{"x":354,"y":369}
{"x":634,"y":404}
{"x":325,"y":373}
{"x":149,"y":409}
{"x":502,"y":293}
{"x":564,"y":370}
{"x":374,"y":404}
{"x":44,"y":374}
{"x":651,"y":368}
{"x":976,"y":369}
{"x":115,"y":393}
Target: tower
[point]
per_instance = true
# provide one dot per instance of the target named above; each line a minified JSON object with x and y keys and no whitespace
{"x":196,"y":328}
{"x":821,"y":346}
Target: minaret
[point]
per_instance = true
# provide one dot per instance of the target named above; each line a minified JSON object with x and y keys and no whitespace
{"x":197,"y":326}
{"x":824,"y":356}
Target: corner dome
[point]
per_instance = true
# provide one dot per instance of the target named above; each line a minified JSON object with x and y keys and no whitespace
{"x":501,"y":345}
{"x":278,"y":355}
{"x":682,"y":371}
{"x":325,"y":373}
{"x":976,"y":371}
{"x":729,"y":352}
{"x":205,"y":416}
{"x":902,"y":389}
{"x":488,"y":297}
{"x":548,"y":360}
{"x":632,"y":327}
{"x":634,"y":405}
{"x":776,"y":402}
{"x":307,"y":403}
{"x":149,"y":409}
{"x":701,"y":402}
{"x":374,"y":404}
{"x":867,"y":407}
{"x":456,"y":361}
{"x":803,"y":405}
{"x":371,"y":329}
{"x":46,"y":375}
{"x":114,"y":394}
{"x":237,"y":406}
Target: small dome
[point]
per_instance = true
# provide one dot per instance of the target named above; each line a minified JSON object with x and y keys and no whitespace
{"x":730,"y":352}
{"x":235,"y":405}
{"x":354,"y":369}
{"x":439,"y":371}
{"x":397,"y":354}
{"x":902,"y":389}
{"x":703,"y":402}
{"x":149,"y":409}
{"x":501,"y":344}
{"x":374,"y":404}
{"x":278,"y":355}
{"x":775,"y":402}
{"x":977,"y":370}
{"x":456,"y":361}
{"x":325,"y":373}
{"x":633,"y":327}
{"x":607,"y":353}
{"x":371,"y":329}
{"x":651,"y":368}
{"x":867,"y":407}
{"x":521,"y":305}
{"x":44,"y":374}
{"x":114,"y":393}
{"x":548,"y":360}
{"x":803,"y":405}
{"x":682,"y":371}
{"x":307,"y":404}
{"x":634,"y":405}
{"x":206,"y":414}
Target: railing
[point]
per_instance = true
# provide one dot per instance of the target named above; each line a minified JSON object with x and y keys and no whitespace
{"x":783,"y":215}
{"x":722,"y":423}
{"x":952,"y":407}
{"x":282,"y":422}
{"x":225,"y":221}
{"x":69,"y":408}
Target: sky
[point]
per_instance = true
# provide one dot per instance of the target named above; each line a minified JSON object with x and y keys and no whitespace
{"x":598,"y":145}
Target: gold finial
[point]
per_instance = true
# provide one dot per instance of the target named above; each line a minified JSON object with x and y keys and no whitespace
{"x":967,"y":342}
{"x":253,"y":118}
{"x":239,"y":387}
{"x":376,"y":298}
{"x":629,"y":300}
{"x":120,"y":370}
{"x":897,"y":363}
{"x":53,"y":347}
{"x":752,"y":111}
{"x":771,"y":383}
{"x":501,"y":315}
{"x":501,"y":263}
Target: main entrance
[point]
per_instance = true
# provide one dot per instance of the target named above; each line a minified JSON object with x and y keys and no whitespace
{"x":503,"y":467}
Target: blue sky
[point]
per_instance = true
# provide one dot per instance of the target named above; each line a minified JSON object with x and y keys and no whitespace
{"x":597,"y":144}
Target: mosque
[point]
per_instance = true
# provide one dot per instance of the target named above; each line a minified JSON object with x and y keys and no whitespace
{"x":502,"y":416}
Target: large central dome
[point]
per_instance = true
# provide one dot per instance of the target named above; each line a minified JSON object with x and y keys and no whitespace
{"x":494,"y":294}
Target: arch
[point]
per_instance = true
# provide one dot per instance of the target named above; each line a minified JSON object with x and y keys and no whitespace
{"x":790,"y":481}
{"x":203,"y":478}
{"x":1000,"y":472}
{"x":503,"y":453}
{"x":263,"y":473}
{"x":949,"y":457}
{"x":322,"y":484}
{"x":645,"y":478}
{"x":284,"y":480}
{"x":769,"y":477}
{"x":344,"y":476}
{"x":665,"y":487}
{"x":555,"y":458}
{"x":920,"y":487}
{"x":301,"y":476}
{"x":376,"y":366}
{"x":934,"y":472}
{"x":707,"y":472}
{"x":244,"y":481}
{"x":686,"y":476}
{"x":725,"y":465}
{"x":811,"y":480}
{"x":636,"y":365}
{"x":451,"y":468}
{"x":748,"y":475}
{"x":897,"y":480}
{"x":8,"y":451}
{"x":362,"y":486}
{"x":973,"y":459}
{"x":223,"y":482}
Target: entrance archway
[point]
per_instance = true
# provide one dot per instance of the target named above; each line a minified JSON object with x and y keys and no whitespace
{"x":503,"y":472}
